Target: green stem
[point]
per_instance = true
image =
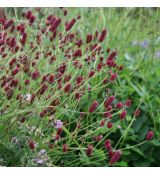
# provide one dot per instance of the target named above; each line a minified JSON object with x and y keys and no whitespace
{"x":134,"y":145}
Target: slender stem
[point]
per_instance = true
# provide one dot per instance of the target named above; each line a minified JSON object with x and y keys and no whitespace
{"x":134,"y":145}
{"x":126,"y":131}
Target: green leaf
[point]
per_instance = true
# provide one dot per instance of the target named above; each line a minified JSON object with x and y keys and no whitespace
{"x":121,"y":164}
{"x":156,"y":142}
{"x":137,"y":150}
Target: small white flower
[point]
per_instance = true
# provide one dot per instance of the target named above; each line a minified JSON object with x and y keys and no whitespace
{"x":157,"y":54}
{"x":119,"y":126}
{"x":27,"y":97}
{"x":58,"y":124}
{"x":39,"y":161}
{"x":42,"y":152}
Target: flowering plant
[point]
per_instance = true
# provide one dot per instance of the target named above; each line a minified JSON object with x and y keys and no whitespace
{"x":57,"y":92}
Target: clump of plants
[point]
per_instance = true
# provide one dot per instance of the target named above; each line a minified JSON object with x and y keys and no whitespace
{"x":57,"y":101}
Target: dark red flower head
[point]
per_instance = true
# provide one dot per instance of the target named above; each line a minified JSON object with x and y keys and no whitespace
{"x":93,"y":106}
{"x":59,"y":131}
{"x":51,"y":79}
{"x":23,"y":39}
{"x":108,"y":145}
{"x":15,"y":71}
{"x":91,"y":73}
{"x":128,"y":103}
{"x":8,"y":24}
{"x":150,"y":135}
{"x":119,"y":105}
{"x":77,"y":53}
{"x":123,"y":115}
{"x":43,"y":89}
{"x":102,"y":123}
{"x":137,"y":112}
{"x":113,"y":76}
{"x":57,"y":137}
{"x":65,"y":12}
{"x":112,"y":55}
{"x":55,"y":24}
{"x":67,"y":88}
{"x":109,"y":101}
{"x":65,"y":148}
{"x":109,"y":125}
{"x":35,"y":75}
{"x":28,"y":14}
{"x":89,"y":150}
{"x":70,"y":24}
{"x":103,"y":35}
{"x":27,"y":82}
{"x":89,"y":38}
{"x":23,"y":119}
{"x":115,"y":157}
{"x":31,"y":144}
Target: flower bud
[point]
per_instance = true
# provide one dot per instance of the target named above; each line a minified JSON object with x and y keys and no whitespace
{"x":150,"y":135}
